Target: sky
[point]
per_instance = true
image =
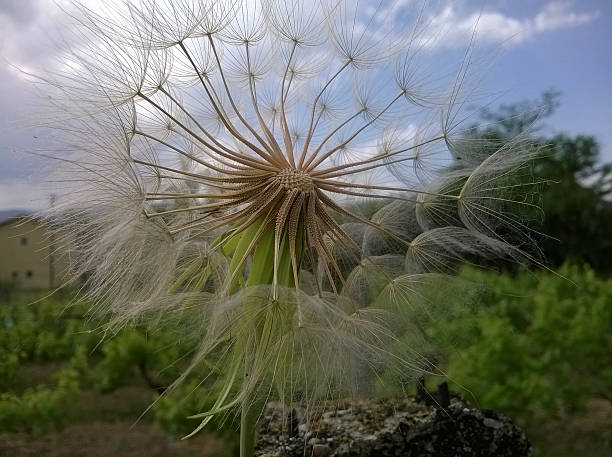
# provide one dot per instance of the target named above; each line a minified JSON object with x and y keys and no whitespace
{"x":565,"y":45}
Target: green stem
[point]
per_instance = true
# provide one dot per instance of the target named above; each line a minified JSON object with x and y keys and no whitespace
{"x":248,"y":427}
{"x":262,"y":272}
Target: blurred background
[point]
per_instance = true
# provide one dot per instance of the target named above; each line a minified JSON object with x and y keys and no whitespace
{"x":535,"y":345}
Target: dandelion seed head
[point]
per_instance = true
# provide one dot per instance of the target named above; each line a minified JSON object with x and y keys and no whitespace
{"x":284,"y":173}
{"x":292,"y":179}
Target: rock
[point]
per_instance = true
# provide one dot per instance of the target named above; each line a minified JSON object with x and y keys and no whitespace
{"x":390,"y":428}
{"x":321,"y":450}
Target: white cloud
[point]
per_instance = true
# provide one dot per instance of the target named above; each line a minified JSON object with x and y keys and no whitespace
{"x":392,"y":9}
{"x":454,"y":29}
{"x":557,"y":15}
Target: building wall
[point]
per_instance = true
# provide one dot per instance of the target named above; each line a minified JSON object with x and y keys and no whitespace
{"x":25,"y":255}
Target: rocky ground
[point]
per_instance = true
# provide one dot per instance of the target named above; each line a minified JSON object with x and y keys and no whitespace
{"x":403,"y":427}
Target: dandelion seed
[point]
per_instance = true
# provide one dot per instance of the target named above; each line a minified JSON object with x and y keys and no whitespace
{"x":222,"y":156}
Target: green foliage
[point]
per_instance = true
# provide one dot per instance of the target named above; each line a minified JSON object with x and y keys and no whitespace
{"x":516,"y":118}
{"x":48,"y":333}
{"x":577,"y":206}
{"x":535,"y":346}
{"x":9,"y":365}
{"x":538,"y":345}
{"x":36,"y":411}
{"x":122,"y":354}
{"x":172,"y":410}
{"x":76,"y":373}
{"x":44,"y":330}
{"x":39,"y":332}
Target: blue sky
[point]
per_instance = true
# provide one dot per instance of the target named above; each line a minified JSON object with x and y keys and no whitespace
{"x":574,"y":60}
{"x":547,"y":44}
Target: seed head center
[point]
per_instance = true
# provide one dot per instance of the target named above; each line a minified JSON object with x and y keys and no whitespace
{"x":290,"y":178}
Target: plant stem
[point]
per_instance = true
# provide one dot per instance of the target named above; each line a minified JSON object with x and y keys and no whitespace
{"x":262,"y":272}
{"x":248,"y":427}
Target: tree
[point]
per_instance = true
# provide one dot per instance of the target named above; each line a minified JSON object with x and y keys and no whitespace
{"x":576,"y":197}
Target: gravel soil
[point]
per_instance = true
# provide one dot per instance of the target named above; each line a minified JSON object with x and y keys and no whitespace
{"x":389,"y":428}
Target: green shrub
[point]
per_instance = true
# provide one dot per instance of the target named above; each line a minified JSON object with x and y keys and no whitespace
{"x":173,"y":409}
{"x":9,"y":366}
{"x":47,"y":331}
{"x":36,"y":411}
{"x":539,"y":346}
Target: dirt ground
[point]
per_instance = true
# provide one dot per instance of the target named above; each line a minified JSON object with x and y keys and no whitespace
{"x":101,"y":439}
{"x":107,"y":426}
{"x":585,"y":435}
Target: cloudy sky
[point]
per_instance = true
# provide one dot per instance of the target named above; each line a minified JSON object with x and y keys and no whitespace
{"x":544,"y":44}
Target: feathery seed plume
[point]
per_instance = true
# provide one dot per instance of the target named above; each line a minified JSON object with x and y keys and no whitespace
{"x":285,"y":175}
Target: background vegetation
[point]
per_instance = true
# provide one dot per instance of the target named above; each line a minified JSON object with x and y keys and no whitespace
{"x":535,"y":345}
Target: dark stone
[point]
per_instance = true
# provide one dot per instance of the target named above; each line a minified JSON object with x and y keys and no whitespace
{"x":321,"y":450}
{"x":293,"y":422}
{"x":392,"y":428}
{"x":443,"y":394}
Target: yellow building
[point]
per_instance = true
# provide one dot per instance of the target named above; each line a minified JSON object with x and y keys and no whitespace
{"x":27,"y":255}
